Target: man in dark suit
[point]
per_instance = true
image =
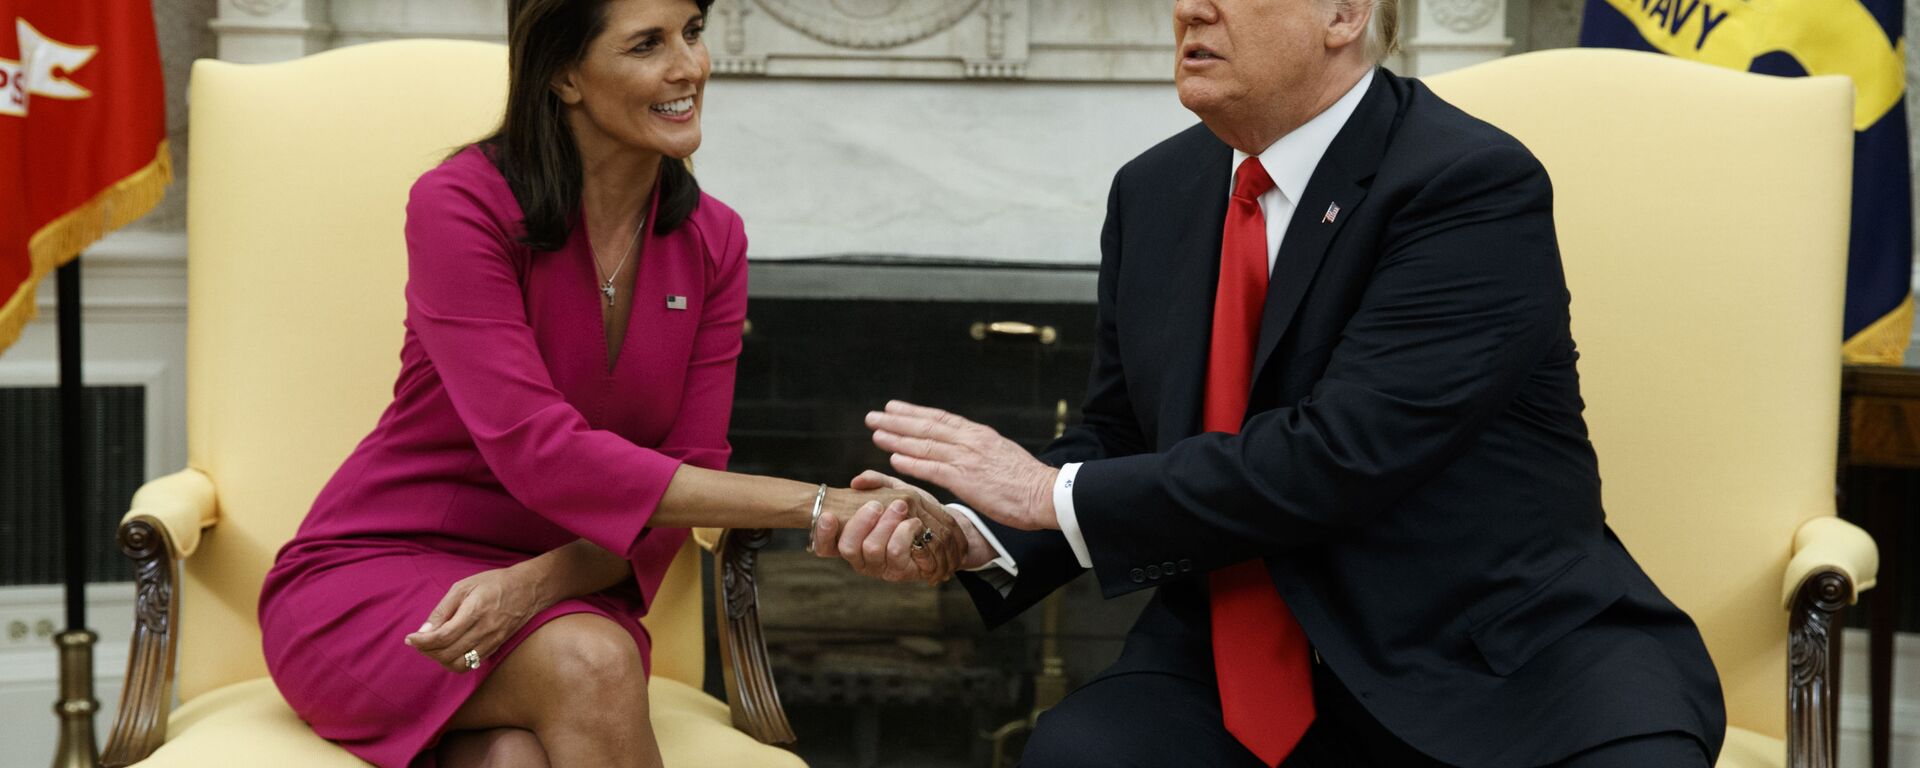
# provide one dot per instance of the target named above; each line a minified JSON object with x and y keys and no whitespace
{"x":1334,"y":422}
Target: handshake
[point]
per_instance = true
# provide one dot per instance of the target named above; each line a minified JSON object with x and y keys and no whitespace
{"x":899,"y":532}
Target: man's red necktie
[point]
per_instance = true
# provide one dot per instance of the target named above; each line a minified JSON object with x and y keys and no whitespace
{"x":1259,"y":651}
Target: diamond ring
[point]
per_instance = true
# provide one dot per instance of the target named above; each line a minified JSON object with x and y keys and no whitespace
{"x":473,"y":659}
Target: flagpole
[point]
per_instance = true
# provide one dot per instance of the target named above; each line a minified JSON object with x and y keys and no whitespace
{"x":77,"y":705}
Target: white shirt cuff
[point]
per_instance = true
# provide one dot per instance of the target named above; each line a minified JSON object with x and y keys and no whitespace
{"x":1063,"y":509}
{"x":1004,"y":561}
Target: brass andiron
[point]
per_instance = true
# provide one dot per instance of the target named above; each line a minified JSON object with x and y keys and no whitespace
{"x":77,"y":705}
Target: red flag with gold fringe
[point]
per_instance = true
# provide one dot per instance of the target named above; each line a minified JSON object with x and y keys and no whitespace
{"x":83,"y":135}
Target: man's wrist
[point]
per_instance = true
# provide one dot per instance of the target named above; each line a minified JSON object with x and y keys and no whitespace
{"x":1042,"y":500}
{"x":979,"y":554}
{"x":1067,"y":514}
{"x":977,"y":531}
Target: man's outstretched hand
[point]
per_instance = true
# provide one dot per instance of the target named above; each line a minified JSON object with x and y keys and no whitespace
{"x":991,"y":474}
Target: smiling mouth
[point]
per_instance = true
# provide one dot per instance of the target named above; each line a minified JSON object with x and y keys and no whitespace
{"x":675,"y":108}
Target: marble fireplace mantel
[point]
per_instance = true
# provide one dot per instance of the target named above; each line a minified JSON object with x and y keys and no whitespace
{"x":976,"y":130}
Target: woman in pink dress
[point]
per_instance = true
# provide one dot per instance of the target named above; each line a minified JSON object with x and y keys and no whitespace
{"x":468,"y":587}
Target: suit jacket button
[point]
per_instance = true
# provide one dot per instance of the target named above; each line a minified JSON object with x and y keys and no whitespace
{"x":1186,"y":565}
{"x":1138,"y":575}
{"x":1153,"y":571}
{"x":1168,"y":568}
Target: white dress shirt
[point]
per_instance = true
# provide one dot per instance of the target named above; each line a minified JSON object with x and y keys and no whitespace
{"x":1290,"y":161}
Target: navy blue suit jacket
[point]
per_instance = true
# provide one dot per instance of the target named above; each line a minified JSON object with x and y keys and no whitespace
{"x":1413,"y":466}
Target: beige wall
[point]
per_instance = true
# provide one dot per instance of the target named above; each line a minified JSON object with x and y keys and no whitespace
{"x":184,"y":36}
{"x":1550,"y":24}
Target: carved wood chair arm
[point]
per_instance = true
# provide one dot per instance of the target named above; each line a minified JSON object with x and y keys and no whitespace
{"x":161,"y":528}
{"x":147,"y":698}
{"x":743,"y":646}
{"x":181,"y":503}
{"x":1813,"y":669}
{"x":1831,"y":544}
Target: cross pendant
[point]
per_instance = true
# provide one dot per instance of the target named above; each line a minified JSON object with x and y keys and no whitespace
{"x":607,"y":289}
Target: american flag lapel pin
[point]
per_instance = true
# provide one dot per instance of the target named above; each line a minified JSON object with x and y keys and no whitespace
{"x":677,"y":302}
{"x":1333,"y":210}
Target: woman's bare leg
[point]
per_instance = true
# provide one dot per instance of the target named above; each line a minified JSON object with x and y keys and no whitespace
{"x":492,"y":748}
{"x":578,"y":684}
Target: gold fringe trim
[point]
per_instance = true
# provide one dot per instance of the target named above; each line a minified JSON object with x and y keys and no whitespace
{"x":1885,"y":341}
{"x":64,"y":238}
{"x":116,"y":206}
{"x":15,"y":315}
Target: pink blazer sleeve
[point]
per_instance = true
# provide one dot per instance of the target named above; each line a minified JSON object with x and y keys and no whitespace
{"x":464,"y":303}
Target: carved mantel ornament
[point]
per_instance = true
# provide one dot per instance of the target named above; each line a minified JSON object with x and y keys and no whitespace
{"x":869,"y":24}
{"x":1463,"y":16}
{"x":261,"y":7}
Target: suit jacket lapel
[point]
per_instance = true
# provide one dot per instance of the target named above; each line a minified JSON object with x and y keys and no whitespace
{"x":1331,"y":198}
{"x":1192,"y":271}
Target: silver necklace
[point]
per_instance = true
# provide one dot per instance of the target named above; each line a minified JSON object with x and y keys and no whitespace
{"x":606,"y":284}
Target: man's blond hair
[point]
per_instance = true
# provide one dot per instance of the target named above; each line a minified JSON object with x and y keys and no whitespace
{"x":1383,"y":28}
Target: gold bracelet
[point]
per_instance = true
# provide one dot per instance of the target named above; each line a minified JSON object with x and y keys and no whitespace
{"x":819,"y":502}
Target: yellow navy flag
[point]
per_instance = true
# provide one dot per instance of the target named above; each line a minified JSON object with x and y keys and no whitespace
{"x":1861,"y":39}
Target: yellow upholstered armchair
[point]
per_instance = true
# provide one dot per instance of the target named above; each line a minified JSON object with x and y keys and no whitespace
{"x":1703,"y":218}
{"x":295,"y":273}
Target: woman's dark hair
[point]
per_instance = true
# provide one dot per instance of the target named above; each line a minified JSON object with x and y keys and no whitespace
{"x":534,"y":148}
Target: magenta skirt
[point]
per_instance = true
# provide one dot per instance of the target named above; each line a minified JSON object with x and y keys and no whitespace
{"x":334,"y":619}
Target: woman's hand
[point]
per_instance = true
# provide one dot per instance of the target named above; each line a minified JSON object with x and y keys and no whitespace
{"x":478,"y":614}
{"x":878,"y":537}
{"x":977,"y":551}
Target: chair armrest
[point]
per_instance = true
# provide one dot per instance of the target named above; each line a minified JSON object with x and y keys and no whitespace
{"x":1833,"y":561}
{"x":1831,"y":544}
{"x":162,"y":528}
{"x":744,"y":665}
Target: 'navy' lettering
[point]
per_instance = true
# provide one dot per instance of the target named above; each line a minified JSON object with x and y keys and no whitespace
{"x":1708,"y":20}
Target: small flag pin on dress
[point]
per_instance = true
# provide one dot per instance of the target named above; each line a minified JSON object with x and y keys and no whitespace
{"x":1333,"y":209}
{"x":676,"y":302}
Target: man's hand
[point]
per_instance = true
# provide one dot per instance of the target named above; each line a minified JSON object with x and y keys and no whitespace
{"x":993,"y":475}
{"x":877,"y":541}
{"x":978,"y":551}
{"x":879,"y":537}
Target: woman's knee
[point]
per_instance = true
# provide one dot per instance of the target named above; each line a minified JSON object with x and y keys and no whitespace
{"x":593,"y":666}
{"x":589,"y":648}
{"x":492,"y":748}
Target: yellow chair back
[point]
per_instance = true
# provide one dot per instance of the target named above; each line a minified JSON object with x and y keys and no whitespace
{"x":1703,"y":218}
{"x":295,"y":274}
